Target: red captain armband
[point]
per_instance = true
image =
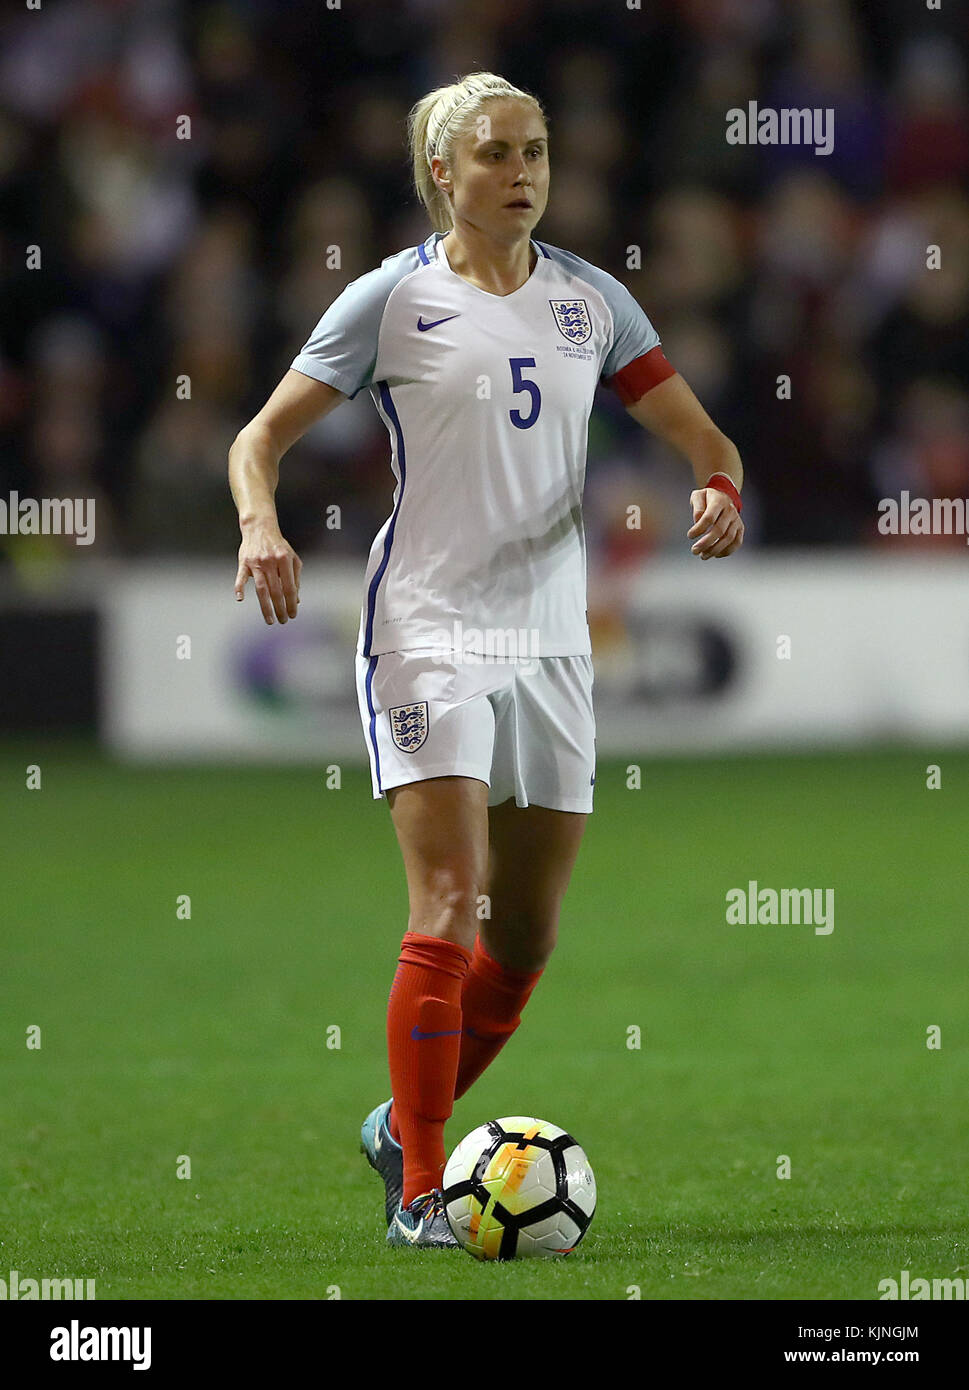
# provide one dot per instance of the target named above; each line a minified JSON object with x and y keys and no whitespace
{"x":641,"y":375}
{"x":721,"y":482}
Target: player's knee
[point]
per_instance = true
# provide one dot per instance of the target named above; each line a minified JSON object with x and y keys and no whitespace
{"x":447,"y":907}
{"x":527,"y":958}
{"x":523,"y":941}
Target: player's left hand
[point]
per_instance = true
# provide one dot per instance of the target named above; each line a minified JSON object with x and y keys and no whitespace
{"x":717,"y":529}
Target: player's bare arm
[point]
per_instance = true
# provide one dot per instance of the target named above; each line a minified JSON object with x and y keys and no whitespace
{"x":672,"y":412}
{"x":265,"y":555}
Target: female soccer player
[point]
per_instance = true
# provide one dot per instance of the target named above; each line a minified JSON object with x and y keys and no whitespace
{"x":481,"y":349}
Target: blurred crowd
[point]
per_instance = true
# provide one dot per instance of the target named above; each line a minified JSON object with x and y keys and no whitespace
{"x":201,"y":264}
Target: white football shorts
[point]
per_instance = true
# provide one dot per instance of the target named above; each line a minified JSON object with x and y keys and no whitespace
{"x":525,"y":727}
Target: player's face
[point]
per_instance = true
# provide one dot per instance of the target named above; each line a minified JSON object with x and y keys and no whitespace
{"x":500,"y":175}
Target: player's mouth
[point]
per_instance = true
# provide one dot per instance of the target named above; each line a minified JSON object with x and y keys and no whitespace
{"x":522,"y":203}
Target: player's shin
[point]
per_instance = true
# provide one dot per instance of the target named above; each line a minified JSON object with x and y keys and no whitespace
{"x":423,"y":1043}
{"x":491,"y":1004}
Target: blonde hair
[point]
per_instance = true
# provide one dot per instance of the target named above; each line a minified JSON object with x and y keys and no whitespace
{"x":438,"y":121}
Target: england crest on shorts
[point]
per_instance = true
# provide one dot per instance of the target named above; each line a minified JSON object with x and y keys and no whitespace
{"x":572,"y":317}
{"x":408,"y":726}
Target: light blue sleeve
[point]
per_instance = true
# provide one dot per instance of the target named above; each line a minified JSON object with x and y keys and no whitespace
{"x":632,"y":333}
{"x":342,"y":349}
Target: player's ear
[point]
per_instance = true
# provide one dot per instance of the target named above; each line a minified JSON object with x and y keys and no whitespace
{"x":440,"y":173}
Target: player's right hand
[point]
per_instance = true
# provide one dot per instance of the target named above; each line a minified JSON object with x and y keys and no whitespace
{"x":274,"y":567}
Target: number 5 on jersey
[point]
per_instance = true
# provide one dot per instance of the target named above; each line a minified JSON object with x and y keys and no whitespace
{"x":520,"y":383}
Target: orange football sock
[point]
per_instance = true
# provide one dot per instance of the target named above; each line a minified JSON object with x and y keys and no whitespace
{"x":423,"y":1045}
{"x":491,"y":1005}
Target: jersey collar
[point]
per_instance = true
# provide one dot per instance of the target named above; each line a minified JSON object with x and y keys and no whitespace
{"x":433,"y":251}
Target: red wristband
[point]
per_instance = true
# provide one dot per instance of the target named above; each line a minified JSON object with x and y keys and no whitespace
{"x":726,"y":484}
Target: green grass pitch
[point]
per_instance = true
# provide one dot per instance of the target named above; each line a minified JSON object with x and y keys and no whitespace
{"x":207,"y":1037}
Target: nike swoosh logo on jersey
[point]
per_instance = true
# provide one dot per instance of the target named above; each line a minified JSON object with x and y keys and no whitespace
{"x":414,"y":1235}
{"x":422,"y":327}
{"x":418,"y":1036}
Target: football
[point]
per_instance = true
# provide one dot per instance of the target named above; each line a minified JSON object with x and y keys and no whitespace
{"x":519,"y":1187}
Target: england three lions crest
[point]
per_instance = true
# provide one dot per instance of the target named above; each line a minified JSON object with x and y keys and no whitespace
{"x":572,"y":317}
{"x":408,"y":726}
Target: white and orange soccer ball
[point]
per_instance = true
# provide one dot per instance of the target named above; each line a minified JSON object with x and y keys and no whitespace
{"x":519,"y":1187}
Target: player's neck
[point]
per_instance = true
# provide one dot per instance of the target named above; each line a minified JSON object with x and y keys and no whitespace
{"x":500,"y":269}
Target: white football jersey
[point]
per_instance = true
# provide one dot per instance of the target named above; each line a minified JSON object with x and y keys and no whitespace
{"x":486,"y":399}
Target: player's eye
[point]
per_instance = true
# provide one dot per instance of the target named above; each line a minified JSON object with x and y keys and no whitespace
{"x":500,"y":154}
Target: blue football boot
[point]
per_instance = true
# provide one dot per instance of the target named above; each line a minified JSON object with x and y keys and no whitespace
{"x":384,"y":1155}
